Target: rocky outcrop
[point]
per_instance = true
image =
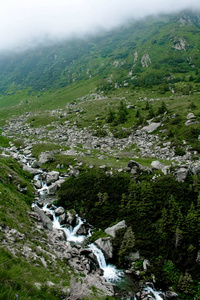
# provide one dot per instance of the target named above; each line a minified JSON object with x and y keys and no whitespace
{"x":171,"y":295}
{"x":47,"y":223}
{"x":157,"y":165}
{"x":83,"y":289}
{"x":105,"y":245}
{"x":52,"y":189}
{"x":112,"y":230}
{"x":46,"y":157}
{"x":31,"y":170}
{"x":59,"y":211}
{"x":52,"y":177}
{"x":151,"y":127}
{"x":181,"y":173}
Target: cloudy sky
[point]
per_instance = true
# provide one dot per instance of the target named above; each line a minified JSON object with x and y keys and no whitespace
{"x":25,"y":22}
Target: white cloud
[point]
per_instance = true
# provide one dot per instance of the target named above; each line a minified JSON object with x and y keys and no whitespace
{"x":23,"y":22}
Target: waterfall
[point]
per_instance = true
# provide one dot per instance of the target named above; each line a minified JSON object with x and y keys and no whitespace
{"x":44,"y":186}
{"x":155,"y":293}
{"x":71,"y":233}
{"x":110,"y":272}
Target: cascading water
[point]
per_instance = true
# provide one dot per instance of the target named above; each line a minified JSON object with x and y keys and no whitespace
{"x":110,"y":272}
{"x":155,"y":293}
{"x":71,"y":233}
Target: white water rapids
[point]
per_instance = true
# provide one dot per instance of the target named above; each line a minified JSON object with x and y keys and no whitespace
{"x":71,"y":233}
{"x":110,"y":272}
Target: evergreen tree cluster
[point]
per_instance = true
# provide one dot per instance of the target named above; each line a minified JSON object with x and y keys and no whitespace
{"x":162,"y":215}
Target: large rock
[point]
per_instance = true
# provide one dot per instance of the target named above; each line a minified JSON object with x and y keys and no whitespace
{"x":52,"y":177}
{"x":81,"y":289}
{"x":157,"y":165}
{"x":31,"y":170}
{"x":52,"y":189}
{"x":59,"y":211}
{"x":106,"y":246}
{"x":45,"y":220}
{"x":112,"y":230}
{"x":74,"y":172}
{"x":71,"y":217}
{"x":62,"y":219}
{"x":151,"y":127}
{"x":191,"y":116}
{"x":181,"y":174}
{"x":171,"y":295}
{"x":46,"y":157}
{"x":133,"y":164}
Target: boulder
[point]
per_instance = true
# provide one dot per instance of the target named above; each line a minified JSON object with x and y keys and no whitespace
{"x":62,"y":219}
{"x":133,"y":256}
{"x":31,"y":170}
{"x":157,"y":165}
{"x":151,"y":127}
{"x":191,"y":116}
{"x":171,"y":295}
{"x":38,"y":184}
{"x":45,"y":220}
{"x":59,"y":211}
{"x":133,"y":164}
{"x":74,"y":172}
{"x":106,"y":246}
{"x":181,"y":174}
{"x":81,"y":289}
{"x":112,"y":230}
{"x":71,"y":216}
{"x":52,"y":189}
{"x":46,"y":157}
{"x":83,"y":230}
{"x":52,"y":177}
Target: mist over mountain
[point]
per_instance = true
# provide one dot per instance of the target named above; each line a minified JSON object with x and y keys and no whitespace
{"x":27,"y":23}
{"x":150,"y":49}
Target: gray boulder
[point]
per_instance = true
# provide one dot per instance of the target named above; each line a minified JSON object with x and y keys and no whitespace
{"x":46,"y":157}
{"x":151,"y":127}
{"x":71,"y":216}
{"x":52,"y":177}
{"x":74,"y":172}
{"x":52,"y":189}
{"x":171,"y":295}
{"x":62,"y":219}
{"x":106,"y":246}
{"x":31,"y":170}
{"x":181,"y":174}
{"x":46,"y":222}
{"x":112,"y":230}
{"x":157,"y":165}
{"x":191,"y":116}
{"x":59,"y":211}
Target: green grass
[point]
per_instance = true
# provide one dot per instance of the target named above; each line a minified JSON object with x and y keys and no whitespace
{"x":18,"y":278}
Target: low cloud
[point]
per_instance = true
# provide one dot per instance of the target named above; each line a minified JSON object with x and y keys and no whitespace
{"x":24,"y":23}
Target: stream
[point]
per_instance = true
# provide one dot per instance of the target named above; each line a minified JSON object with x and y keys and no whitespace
{"x":110,"y":272}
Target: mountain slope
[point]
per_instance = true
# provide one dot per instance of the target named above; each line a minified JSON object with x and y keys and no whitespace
{"x":144,"y":53}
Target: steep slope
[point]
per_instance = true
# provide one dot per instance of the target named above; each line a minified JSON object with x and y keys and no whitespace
{"x":145,"y":53}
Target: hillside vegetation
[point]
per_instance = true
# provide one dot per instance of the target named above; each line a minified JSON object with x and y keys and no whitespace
{"x":89,"y":104}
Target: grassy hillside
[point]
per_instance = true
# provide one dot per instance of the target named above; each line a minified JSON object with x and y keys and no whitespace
{"x":154,"y":51}
{"x":107,"y":87}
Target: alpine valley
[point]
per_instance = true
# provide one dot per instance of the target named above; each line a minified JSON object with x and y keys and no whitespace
{"x":99,"y":164}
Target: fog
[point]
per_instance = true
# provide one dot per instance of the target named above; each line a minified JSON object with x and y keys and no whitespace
{"x":24,"y":23}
